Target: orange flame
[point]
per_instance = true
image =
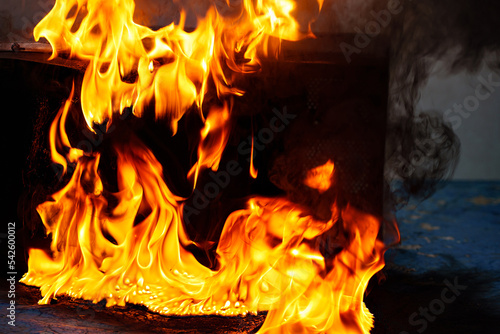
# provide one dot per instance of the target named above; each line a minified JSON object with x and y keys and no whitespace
{"x":253,"y":171}
{"x":320,"y":178}
{"x":129,"y":245}
{"x":214,"y":137}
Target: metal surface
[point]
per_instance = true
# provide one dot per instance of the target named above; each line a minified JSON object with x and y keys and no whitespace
{"x":325,"y":49}
{"x":38,"y":53}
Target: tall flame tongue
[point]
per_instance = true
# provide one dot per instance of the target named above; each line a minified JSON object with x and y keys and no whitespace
{"x":128,"y":244}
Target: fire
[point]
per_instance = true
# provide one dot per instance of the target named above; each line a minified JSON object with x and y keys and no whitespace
{"x":128,"y":243}
{"x":320,"y":178}
{"x":214,"y":137}
{"x":122,"y":54}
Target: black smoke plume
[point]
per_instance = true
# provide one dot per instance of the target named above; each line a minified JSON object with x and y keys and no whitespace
{"x":422,"y":149}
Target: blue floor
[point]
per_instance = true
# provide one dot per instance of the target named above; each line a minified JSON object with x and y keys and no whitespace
{"x":458,"y":228}
{"x":449,"y":243}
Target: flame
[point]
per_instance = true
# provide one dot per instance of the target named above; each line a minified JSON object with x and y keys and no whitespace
{"x":320,"y":178}
{"x":134,"y":66}
{"x":214,"y":136}
{"x":127,"y":243}
{"x":253,"y":171}
{"x":268,"y":255}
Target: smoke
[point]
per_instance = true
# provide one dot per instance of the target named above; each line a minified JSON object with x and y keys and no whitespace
{"x":461,"y":36}
{"x":423,"y":36}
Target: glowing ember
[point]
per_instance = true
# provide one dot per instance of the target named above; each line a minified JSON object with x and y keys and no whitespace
{"x":129,"y":245}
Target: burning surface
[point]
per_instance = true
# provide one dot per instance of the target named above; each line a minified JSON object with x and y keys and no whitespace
{"x":123,"y":238}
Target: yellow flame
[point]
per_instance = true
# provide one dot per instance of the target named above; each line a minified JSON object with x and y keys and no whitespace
{"x":121,"y":53}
